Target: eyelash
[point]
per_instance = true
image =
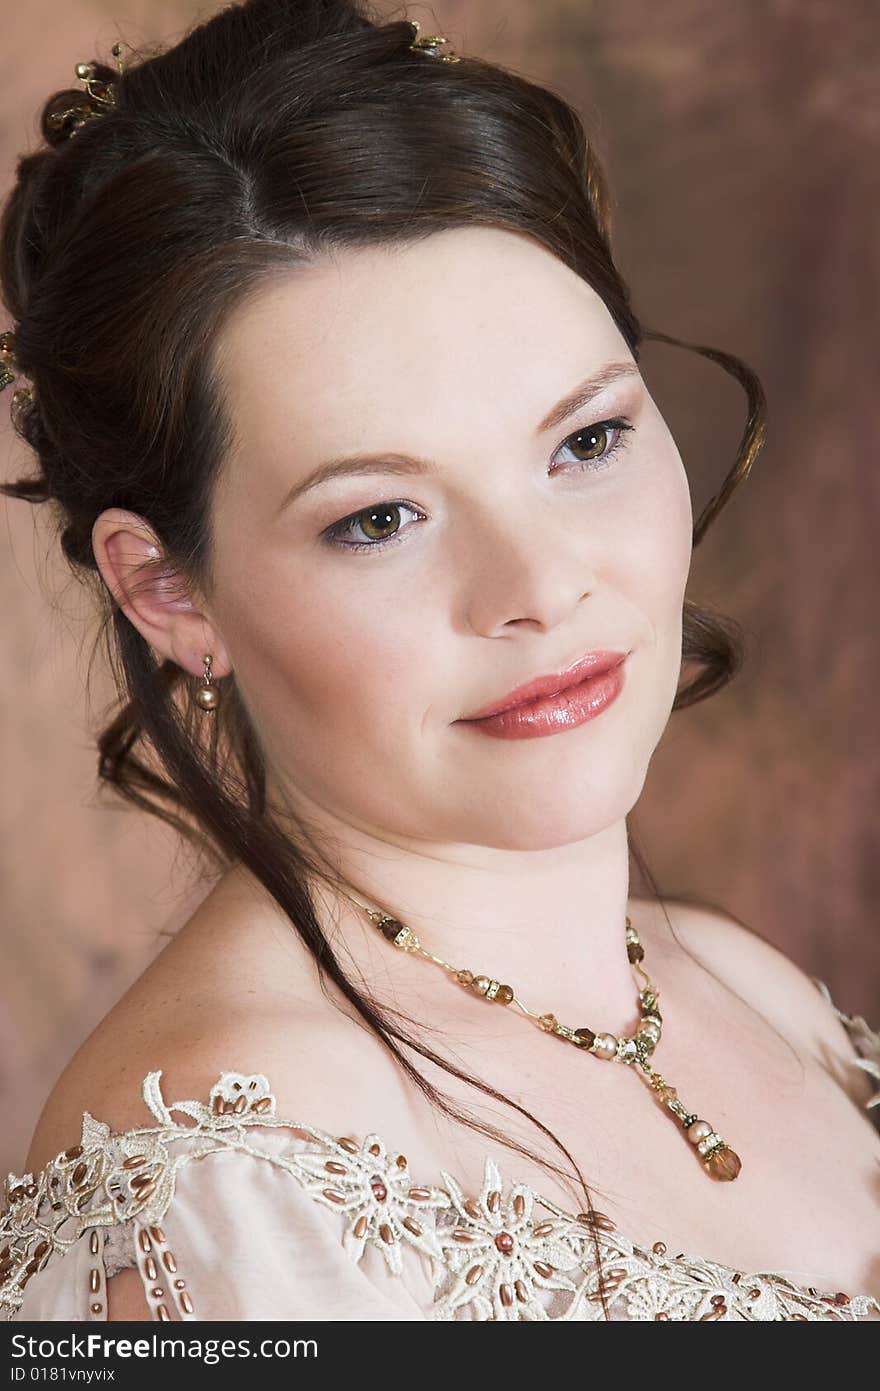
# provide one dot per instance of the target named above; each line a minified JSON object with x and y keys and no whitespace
{"x":334,"y":533}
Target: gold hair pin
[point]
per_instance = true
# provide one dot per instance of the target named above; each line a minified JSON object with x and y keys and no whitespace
{"x":101,"y":97}
{"x":430,"y":44}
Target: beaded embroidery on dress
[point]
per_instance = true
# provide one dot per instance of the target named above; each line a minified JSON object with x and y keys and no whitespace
{"x":388,"y":1246}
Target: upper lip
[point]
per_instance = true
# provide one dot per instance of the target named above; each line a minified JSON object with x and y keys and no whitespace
{"x":590,"y":665}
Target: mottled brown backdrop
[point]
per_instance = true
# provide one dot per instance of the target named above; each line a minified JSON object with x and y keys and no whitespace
{"x":742,"y":145}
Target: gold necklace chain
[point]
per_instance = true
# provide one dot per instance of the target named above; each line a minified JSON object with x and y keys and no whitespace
{"x":718,"y":1159}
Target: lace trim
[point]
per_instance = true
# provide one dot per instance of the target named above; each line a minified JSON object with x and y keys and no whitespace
{"x":492,"y":1256}
{"x":865,"y":1041}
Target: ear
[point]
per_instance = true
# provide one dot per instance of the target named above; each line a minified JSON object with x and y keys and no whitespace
{"x":154,"y":595}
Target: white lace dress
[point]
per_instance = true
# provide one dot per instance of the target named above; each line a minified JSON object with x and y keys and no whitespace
{"x":229,"y":1211}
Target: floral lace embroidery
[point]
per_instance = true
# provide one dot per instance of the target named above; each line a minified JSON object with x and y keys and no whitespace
{"x":492,"y":1256}
{"x":865,"y":1040}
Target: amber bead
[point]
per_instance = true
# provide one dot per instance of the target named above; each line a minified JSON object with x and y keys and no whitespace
{"x":389,"y":928}
{"x":504,"y":994}
{"x":724,"y":1164}
{"x":584,"y":1037}
{"x":635,"y":951}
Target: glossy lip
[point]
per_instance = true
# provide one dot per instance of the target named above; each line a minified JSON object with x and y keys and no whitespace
{"x":551,"y":714}
{"x":593,"y":664}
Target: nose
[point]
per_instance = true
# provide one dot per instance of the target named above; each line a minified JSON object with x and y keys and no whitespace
{"x":523,"y":572}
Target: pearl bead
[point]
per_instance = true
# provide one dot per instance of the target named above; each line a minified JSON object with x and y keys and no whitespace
{"x":605,"y":1046}
{"x":207,"y":697}
{"x":708,"y":1142}
{"x":698,"y":1131}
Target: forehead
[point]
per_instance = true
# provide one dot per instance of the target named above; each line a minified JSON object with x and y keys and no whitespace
{"x":461,"y":311}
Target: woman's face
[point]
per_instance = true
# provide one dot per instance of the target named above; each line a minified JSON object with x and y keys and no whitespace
{"x":509,"y":552}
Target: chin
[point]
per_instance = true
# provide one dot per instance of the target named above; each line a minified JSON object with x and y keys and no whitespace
{"x":551,"y":814}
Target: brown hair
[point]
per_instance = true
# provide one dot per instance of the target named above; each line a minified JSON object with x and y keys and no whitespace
{"x":275,"y":131}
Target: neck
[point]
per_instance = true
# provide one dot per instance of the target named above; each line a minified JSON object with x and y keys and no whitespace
{"x":549,"y":923}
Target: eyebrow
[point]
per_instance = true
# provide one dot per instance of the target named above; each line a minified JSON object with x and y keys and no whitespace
{"x":389,"y":462}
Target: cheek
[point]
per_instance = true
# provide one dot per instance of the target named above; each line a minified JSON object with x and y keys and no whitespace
{"x":654,"y":537}
{"x":317,"y":648}
{"x":663,"y":568}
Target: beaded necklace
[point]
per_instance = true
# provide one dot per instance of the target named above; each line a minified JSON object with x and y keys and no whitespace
{"x":718,"y":1159}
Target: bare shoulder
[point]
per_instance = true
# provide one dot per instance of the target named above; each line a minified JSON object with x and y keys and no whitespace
{"x":216,"y":999}
{"x":106,"y":1076}
{"x":771,"y":982}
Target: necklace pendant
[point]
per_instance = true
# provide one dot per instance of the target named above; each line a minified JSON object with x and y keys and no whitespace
{"x":723,"y":1163}
{"x":719,"y":1160}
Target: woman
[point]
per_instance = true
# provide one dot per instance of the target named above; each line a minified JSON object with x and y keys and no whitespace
{"x":335,"y":385}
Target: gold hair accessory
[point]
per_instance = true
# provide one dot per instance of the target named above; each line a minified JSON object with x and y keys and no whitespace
{"x":430,"y":44}
{"x":207,"y":696}
{"x":719,"y":1160}
{"x":9,"y":372}
{"x":8,"y":364}
{"x":101,"y":98}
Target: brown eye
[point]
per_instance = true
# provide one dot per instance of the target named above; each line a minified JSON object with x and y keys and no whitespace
{"x":591,"y":446}
{"x":591,"y":442}
{"x":372,"y":528}
{"x":379,"y":523}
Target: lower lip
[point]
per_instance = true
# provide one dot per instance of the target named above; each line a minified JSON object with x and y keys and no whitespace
{"x":550,"y":715}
